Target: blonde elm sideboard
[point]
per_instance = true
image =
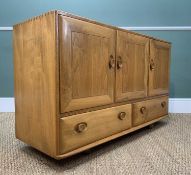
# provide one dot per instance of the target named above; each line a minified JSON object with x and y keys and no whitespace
{"x":80,"y":83}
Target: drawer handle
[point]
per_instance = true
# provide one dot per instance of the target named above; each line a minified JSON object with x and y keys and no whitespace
{"x":111,"y":62}
{"x":119,"y":63}
{"x":163,"y":104}
{"x":143,"y":110}
{"x":122,"y":115}
{"x":80,"y":127}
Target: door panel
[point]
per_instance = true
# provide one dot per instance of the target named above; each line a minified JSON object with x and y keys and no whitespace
{"x":132,"y":66}
{"x":86,"y":77}
{"x":159,"y":67}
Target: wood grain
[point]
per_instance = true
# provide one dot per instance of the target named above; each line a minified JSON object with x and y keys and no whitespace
{"x":153,"y":109}
{"x":130,"y":101}
{"x":63,"y":13}
{"x":100,"y":124}
{"x":101,"y":141}
{"x":85,"y":77}
{"x":132,"y":78}
{"x":159,"y":76}
{"x":35,"y":83}
{"x":66,"y":65}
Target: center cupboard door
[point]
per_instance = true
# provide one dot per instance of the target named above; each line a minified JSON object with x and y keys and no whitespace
{"x":132,"y":66}
{"x":87,"y":61}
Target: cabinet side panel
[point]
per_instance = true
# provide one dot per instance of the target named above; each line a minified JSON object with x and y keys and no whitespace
{"x":35,"y":82}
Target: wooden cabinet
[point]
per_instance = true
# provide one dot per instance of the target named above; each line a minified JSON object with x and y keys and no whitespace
{"x":80,"y":83}
{"x":132,"y":66}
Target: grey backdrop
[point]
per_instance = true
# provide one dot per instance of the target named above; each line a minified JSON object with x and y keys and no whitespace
{"x":115,"y":12}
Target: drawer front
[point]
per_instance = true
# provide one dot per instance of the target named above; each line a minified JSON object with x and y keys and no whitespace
{"x":148,"y":110}
{"x":80,"y":130}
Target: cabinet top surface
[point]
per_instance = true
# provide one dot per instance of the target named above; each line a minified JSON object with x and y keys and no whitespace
{"x":60,"y":12}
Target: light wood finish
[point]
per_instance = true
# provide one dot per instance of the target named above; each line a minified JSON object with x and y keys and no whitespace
{"x":77,"y":82}
{"x":132,"y":66}
{"x":86,"y":77}
{"x":159,"y":67}
{"x":35,"y":82}
{"x":130,"y":101}
{"x":101,"y":141}
{"x":96,"y":125}
{"x":148,"y":110}
{"x":59,"y":12}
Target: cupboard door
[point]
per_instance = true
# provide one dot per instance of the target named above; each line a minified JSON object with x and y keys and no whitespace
{"x":87,"y":61}
{"x":132,"y":66}
{"x":159,"y":67}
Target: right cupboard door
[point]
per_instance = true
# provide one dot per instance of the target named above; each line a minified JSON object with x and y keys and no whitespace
{"x":159,"y":67}
{"x":132,"y":66}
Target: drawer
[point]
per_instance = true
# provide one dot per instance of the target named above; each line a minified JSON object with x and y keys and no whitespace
{"x":148,"y":110}
{"x":80,"y":130}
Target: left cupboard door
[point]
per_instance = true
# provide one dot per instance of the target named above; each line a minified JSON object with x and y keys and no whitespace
{"x":87,"y":64}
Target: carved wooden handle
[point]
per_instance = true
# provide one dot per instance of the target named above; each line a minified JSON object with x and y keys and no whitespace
{"x":111,"y":62}
{"x":119,"y":63}
{"x":152,"y":65}
{"x":80,"y":127}
{"x":122,"y":115}
{"x":143,"y":110}
{"x":163,"y":104}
